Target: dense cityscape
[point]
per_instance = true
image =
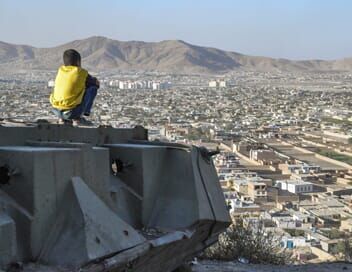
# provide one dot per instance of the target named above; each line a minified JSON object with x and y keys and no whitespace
{"x":285,"y":140}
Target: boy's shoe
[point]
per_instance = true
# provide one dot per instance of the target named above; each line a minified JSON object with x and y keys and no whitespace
{"x":81,"y":122}
{"x":86,"y":114}
{"x":62,"y":121}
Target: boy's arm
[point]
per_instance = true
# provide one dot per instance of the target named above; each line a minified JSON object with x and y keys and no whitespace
{"x":92,"y":81}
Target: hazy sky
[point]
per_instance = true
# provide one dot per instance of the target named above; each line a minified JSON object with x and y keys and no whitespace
{"x":296,"y":29}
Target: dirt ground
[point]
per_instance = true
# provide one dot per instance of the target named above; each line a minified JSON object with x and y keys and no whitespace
{"x":211,"y":266}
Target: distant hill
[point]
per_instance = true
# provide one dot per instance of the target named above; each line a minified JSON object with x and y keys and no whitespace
{"x":100,"y":53}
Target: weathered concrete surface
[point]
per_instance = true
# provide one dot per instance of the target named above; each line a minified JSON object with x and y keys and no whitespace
{"x":19,"y":134}
{"x":169,"y":180}
{"x":213,"y":266}
{"x":102,"y":199}
{"x":8,"y":244}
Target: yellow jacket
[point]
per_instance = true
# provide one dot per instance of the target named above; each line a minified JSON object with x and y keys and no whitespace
{"x":70,"y":84}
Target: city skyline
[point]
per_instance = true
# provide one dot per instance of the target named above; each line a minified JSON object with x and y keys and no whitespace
{"x":290,"y":29}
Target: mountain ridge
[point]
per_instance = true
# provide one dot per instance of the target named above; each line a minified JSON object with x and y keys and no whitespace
{"x":101,"y":53}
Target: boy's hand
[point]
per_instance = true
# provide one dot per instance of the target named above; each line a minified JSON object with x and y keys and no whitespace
{"x":97,"y":82}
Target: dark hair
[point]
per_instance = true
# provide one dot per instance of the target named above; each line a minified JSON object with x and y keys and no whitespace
{"x":72,"y":57}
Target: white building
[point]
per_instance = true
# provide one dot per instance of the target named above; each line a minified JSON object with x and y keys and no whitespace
{"x":293,"y":242}
{"x":131,"y":85}
{"x":51,"y":83}
{"x":284,"y":222}
{"x":123,"y":85}
{"x":299,"y":168}
{"x":295,"y":186}
{"x":150,"y":85}
{"x":213,"y":84}
{"x":259,"y":154}
{"x":222,"y":84}
{"x":217,"y":84}
{"x":134,"y":85}
{"x":156,"y":86}
{"x":114,"y":83}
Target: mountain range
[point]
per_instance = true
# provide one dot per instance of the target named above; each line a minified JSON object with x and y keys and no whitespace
{"x":102,"y":54}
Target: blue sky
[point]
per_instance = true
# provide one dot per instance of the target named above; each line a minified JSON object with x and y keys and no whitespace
{"x":295,"y":29}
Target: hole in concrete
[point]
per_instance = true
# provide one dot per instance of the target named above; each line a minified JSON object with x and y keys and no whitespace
{"x":97,"y":240}
{"x":125,"y":232}
{"x":116,"y":166}
{"x":4,"y":175}
{"x":15,"y":266}
{"x":113,"y":196}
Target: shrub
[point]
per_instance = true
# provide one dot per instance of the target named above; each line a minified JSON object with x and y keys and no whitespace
{"x":252,"y":243}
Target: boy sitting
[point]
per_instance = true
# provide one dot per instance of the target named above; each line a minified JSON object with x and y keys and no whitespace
{"x":74,"y":90}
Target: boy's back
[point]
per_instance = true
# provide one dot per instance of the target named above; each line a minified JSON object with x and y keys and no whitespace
{"x":74,"y":90}
{"x":70,"y":84}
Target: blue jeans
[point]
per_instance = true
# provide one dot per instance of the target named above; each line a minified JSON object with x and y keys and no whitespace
{"x":83,"y":108}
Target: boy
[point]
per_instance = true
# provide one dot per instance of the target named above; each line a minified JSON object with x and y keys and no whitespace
{"x":74,"y":90}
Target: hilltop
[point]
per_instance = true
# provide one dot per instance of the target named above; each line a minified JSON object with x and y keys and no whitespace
{"x":100,"y":53}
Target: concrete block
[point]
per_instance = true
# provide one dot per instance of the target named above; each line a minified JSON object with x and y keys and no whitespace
{"x":45,"y":173}
{"x":207,"y":176}
{"x":170,"y":181}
